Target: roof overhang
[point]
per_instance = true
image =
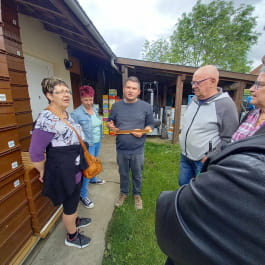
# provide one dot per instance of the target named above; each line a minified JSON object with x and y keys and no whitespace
{"x":164,"y":71}
{"x":67,"y":19}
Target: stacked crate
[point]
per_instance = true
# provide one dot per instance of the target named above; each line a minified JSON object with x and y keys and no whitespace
{"x":112,"y":97}
{"x":15,"y":219}
{"x":108,"y":101}
{"x":105,"y":101}
{"x":41,"y":208}
{"x":112,"y":100}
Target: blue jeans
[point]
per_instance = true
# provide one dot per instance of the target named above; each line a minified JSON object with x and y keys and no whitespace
{"x":135,"y":163}
{"x":94,"y":151}
{"x":188,"y":169}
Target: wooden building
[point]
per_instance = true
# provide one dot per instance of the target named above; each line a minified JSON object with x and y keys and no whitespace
{"x":40,"y":38}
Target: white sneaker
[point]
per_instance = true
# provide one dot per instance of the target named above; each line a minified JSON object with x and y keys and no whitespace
{"x":87,"y":202}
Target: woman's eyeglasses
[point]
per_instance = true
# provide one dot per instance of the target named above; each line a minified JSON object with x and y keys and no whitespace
{"x":67,"y":92}
{"x":258,"y":84}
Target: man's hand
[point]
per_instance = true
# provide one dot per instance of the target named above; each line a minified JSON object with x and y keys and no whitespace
{"x":137,"y":134}
{"x":111,"y":126}
{"x":204,"y":159}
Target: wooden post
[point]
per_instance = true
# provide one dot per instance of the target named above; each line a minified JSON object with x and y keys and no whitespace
{"x":178,"y":100}
{"x":124,"y":70}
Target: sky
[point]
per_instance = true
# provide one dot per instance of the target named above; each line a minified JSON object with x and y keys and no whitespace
{"x":126,"y":24}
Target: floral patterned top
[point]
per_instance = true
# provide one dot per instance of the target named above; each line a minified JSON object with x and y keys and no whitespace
{"x":63,"y":135}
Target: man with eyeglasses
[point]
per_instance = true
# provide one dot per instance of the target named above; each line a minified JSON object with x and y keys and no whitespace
{"x":208,"y":123}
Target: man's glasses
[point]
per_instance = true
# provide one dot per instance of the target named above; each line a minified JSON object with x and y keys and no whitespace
{"x":67,"y":92}
{"x":197,"y":83}
{"x":258,"y":84}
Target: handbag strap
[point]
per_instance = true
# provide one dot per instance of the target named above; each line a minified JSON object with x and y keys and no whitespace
{"x":69,"y":125}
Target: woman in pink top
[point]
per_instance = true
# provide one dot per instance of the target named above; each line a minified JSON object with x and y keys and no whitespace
{"x":254,"y":122}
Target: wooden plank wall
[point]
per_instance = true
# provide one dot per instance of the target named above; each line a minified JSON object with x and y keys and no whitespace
{"x":16,"y":72}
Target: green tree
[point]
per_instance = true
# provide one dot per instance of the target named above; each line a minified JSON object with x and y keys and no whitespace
{"x":215,"y":33}
{"x":156,"y":50}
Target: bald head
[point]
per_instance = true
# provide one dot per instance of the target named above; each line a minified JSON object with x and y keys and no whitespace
{"x":204,"y":82}
{"x":208,"y":71}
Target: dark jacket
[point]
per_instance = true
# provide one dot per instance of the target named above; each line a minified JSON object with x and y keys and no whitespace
{"x":60,"y":171}
{"x":219,"y":218}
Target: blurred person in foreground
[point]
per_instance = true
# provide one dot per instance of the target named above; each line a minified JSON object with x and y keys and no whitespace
{"x":60,"y":170}
{"x":208,"y":122}
{"x":131,"y":113}
{"x":218,"y":218}
{"x":87,"y":116}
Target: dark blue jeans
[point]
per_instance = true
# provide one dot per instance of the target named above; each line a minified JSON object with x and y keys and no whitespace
{"x":135,"y":164}
{"x":188,"y":169}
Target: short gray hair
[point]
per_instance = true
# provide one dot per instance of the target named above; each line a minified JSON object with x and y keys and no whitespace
{"x":49,"y":83}
{"x":133,"y":79}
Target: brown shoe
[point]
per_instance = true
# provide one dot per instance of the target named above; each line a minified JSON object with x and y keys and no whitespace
{"x":138,"y":202}
{"x":121,"y":200}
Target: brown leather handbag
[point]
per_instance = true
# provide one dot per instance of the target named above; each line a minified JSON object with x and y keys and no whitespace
{"x":94,"y":164}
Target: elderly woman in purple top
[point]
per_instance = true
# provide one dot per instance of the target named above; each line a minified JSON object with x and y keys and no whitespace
{"x":254,"y":121}
{"x":60,"y":170}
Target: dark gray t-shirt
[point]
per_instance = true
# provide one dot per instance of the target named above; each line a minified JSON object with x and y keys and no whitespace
{"x":129,"y":116}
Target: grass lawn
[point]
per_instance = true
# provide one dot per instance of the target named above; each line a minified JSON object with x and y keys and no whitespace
{"x":131,"y":234}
